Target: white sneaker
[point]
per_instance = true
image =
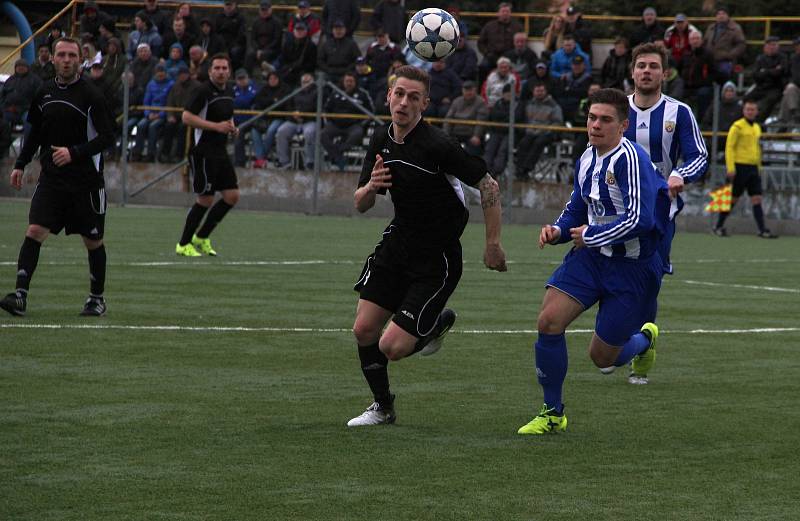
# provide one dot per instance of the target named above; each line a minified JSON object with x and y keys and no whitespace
{"x":374,"y":415}
{"x":638,"y":380}
{"x":446,"y":320}
{"x":608,"y":370}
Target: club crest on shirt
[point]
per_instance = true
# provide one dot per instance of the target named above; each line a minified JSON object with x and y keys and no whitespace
{"x":669,"y":126}
{"x":610,"y":180}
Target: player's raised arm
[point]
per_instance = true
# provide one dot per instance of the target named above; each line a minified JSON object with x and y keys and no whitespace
{"x":493,"y":257}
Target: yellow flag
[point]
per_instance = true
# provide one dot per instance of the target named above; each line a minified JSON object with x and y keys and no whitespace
{"x":720,"y":199}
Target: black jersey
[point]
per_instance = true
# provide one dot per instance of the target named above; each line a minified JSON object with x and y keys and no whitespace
{"x":428,"y":200}
{"x":74,"y":116}
{"x":212,"y":104}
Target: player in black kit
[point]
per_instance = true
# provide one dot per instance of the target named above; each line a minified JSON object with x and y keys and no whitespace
{"x":72,"y":124}
{"x":417,"y":264}
{"x":210,"y":114}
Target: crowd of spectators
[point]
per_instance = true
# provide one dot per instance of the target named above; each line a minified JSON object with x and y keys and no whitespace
{"x":167,"y":52}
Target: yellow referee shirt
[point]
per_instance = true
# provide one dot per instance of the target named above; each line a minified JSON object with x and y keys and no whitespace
{"x":742,"y":145}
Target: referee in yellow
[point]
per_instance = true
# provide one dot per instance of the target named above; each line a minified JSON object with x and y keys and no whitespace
{"x":743,"y":162}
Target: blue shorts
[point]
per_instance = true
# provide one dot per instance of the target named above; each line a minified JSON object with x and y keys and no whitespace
{"x":626,"y":289}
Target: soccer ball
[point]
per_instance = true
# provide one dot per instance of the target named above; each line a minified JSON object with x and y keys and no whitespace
{"x":432,"y":34}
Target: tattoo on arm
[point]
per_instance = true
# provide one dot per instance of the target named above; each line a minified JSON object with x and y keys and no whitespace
{"x":490,"y":193}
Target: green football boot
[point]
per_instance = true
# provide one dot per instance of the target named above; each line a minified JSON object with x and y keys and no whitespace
{"x":186,"y":250}
{"x":643,"y":363}
{"x":203,"y":245}
{"x":546,"y":421}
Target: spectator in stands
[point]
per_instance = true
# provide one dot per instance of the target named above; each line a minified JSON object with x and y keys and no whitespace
{"x":298,"y":54}
{"x":175,"y":58}
{"x":492,"y":89}
{"x":178,"y":34}
{"x":672,"y":85}
{"x":390,"y":15}
{"x":16,"y":95}
{"x":649,"y":30}
{"x":174,"y":133}
{"x":198,"y":63}
{"x":144,"y":32}
{"x":263,"y":133}
{"x":91,"y":54}
{"x":573,"y":87}
{"x":91,"y":19}
{"x":730,"y":109}
{"x":114,"y":62}
{"x":542,"y":109}
{"x":304,"y":101}
{"x":347,"y":12}
{"x":107,"y":30}
{"x":366,"y":78}
{"x":554,"y":35}
{"x":209,"y":40}
{"x":135,"y":99}
{"x":55,"y":33}
{"x":541,"y":74}
{"x":698,"y":73}
{"x":790,"y":104}
{"x":184,"y":11}
{"x":464,"y":60}
{"x":349,"y":131}
{"x":143,"y":66}
{"x":725,"y":40}
{"x":561,"y":61}
{"x":160,"y":19}
{"x":312,"y":21}
{"x":580,"y":29}
{"x":616,"y":72}
{"x":676,"y":38}
{"x":522,"y":57}
{"x":43,"y":66}
{"x":266,"y":37}
{"x":337,"y":54}
{"x":444,"y":88}
{"x":581,"y":120}
{"x":496,"y":152}
{"x":496,"y":38}
{"x":468,"y":106}
{"x":230,"y":25}
{"x":380,"y":55}
{"x":770,"y":74}
{"x":155,"y":95}
{"x":96,"y":78}
{"x":244,"y":92}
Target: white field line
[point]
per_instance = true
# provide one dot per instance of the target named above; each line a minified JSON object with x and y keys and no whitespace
{"x":743,"y":286}
{"x":242,"y":329}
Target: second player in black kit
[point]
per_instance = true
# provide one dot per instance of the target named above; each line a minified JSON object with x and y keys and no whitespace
{"x":417,"y":264}
{"x":210,"y":114}
{"x":71,"y":123}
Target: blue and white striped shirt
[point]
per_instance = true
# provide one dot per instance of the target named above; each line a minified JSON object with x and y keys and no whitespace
{"x":621,"y":199}
{"x":667,"y":131}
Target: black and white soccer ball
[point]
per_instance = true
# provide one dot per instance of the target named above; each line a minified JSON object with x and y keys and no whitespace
{"x":432,"y":34}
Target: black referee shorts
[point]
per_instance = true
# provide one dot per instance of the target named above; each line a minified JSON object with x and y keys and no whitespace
{"x":414,"y":285}
{"x":82,"y":212}
{"x":212,"y":173}
{"x":746,"y":178}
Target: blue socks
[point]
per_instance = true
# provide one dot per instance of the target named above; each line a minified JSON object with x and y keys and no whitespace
{"x":636,"y":345}
{"x":551,"y":367}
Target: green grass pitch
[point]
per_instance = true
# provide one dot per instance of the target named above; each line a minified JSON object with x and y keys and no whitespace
{"x":150,"y":413}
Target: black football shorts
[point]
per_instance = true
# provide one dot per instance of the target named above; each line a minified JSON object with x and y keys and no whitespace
{"x":82,"y":212}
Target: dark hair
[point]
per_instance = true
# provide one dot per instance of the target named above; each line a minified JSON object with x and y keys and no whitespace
{"x":613,"y":97}
{"x":535,"y":84}
{"x":220,"y":56}
{"x":414,"y":73}
{"x":621,"y":39}
{"x":749,"y":99}
{"x":68,"y":39}
{"x":649,"y":48}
